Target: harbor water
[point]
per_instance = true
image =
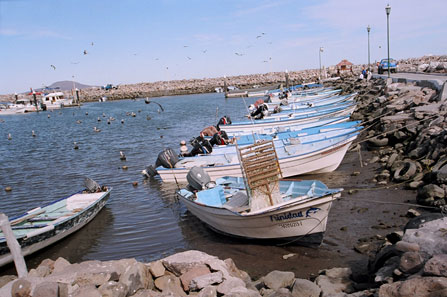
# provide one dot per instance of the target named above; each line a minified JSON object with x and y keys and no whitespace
{"x":145,"y":221}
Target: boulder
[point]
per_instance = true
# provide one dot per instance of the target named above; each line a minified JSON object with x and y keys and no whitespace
{"x":404,"y":246}
{"x":6,"y":279}
{"x":156,"y":268}
{"x":87,"y":291}
{"x":385,"y":273}
{"x":430,"y":236}
{"x":282,"y":292}
{"x":47,"y":289}
{"x":60,"y":264}
{"x":227,"y":285}
{"x":279,"y":279}
{"x":334,"y":281}
{"x":194,"y":272}
{"x":203,"y":281}
{"x":136,"y":277}
{"x":305,"y":288}
{"x":169,"y":284}
{"x":234,"y":271}
{"x":420,"y":286}
{"x":182,"y":262}
{"x":411,"y":262}
{"x":436,"y":266}
{"x":113,"y":289}
{"x":209,"y":291}
{"x":21,"y":288}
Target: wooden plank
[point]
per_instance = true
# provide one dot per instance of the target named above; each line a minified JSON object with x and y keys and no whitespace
{"x":264,"y":176}
{"x":254,"y":158}
{"x":24,"y":218}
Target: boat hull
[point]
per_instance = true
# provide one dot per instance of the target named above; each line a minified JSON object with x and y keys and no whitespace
{"x":292,"y":222}
{"x":322,"y":161}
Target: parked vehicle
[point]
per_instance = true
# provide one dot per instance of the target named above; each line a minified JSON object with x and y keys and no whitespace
{"x":383,"y":66}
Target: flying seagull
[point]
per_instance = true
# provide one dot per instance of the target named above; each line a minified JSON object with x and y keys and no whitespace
{"x":147,"y":101}
{"x":189,"y":58}
{"x":204,"y":51}
{"x":85,"y":52}
{"x":52,"y":66}
{"x":259,"y":36}
{"x":238,"y":54}
{"x":92,"y":43}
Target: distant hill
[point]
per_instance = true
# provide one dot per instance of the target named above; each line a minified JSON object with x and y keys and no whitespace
{"x":67,"y":85}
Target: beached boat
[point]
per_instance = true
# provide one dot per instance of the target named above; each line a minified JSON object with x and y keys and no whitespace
{"x":259,"y":206}
{"x":257,"y":126}
{"x":297,"y":127}
{"x":280,"y":139}
{"x":319,"y":102}
{"x":320,"y":156}
{"x":45,"y":225}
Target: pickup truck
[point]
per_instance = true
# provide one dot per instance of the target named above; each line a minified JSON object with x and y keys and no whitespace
{"x":383,"y":66}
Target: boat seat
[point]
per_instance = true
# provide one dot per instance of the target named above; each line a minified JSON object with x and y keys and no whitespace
{"x":212,"y":197}
{"x":238,"y":202}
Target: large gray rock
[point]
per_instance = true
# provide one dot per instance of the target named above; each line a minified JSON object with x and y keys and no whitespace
{"x":236,"y":272}
{"x":279,"y":279}
{"x":420,"y":287}
{"x":404,"y":246}
{"x":227,"y":285}
{"x":169,"y":284}
{"x":136,"y":277}
{"x":209,"y":291}
{"x":113,"y":289}
{"x":21,"y":288}
{"x":60,"y":264}
{"x":305,"y":288}
{"x":411,"y":262}
{"x":182,"y":262}
{"x":203,"y":281}
{"x":156,"y":268}
{"x":87,"y":291}
{"x":431,"y":237}
{"x":194,"y":272}
{"x":47,"y":289}
{"x":242,"y":292}
{"x":436,"y":266}
{"x":282,"y":292}
{"x":334,"y":281}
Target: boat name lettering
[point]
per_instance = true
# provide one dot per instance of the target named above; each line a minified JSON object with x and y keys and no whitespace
{"x":287,"y":216}
{"x":311,"y":211}
{"x":292,"y":215}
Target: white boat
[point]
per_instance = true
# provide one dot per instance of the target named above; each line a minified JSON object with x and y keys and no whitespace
{"x":281,"y":139}
{"x":20,"y":106}
{"x":43,"y":226}
{"x":298,"y":127}
{"x":55,"y":100}
{"x":294,"y":159}
{"x":319,"y":102}
{"x":258,"y":126}
{"x":260,"y":208}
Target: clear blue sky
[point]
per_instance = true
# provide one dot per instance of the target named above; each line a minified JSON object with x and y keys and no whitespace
{"x":144,"y":41}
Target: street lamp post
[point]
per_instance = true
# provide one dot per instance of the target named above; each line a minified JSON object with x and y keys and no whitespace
{"x":321,"y":50}
{"x":388,"y":10}
{"x":369,"y":61}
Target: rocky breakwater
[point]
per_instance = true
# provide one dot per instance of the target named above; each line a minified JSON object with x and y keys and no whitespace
{"x":427,"y":64}
{"x":190,"y":273}
{"x":196,"y":86}
{"x":406,"y":130}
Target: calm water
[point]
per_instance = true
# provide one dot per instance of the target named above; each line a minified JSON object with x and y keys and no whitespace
{"x":144,"y":222}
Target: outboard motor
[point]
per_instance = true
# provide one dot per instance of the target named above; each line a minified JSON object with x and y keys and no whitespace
{"x":198,"y":179}
{"x":200,"y":146}
{"x":167,"y":158}
{"x":219,"y":138}
{"x":91,"y":185}
{"x":225,"y":120}
{"x":150,"y":171}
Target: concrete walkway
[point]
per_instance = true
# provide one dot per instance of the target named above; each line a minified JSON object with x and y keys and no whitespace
{"x":435,"y":81}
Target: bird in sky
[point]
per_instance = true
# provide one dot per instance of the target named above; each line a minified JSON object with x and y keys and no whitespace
{"x":186,"y":46}
{"x":189,"y":58}
{"x":156,"y":59}
{"x":238,"y":54}
{"x":85,"y":52}
{"x":52,"y":66}
{"x":74,"y":62}
{"x":259,"y":36}
{"x":92,"y":43}
{"x":204,"y":51}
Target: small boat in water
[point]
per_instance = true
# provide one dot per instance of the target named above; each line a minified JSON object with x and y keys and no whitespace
{"x":55,"y":100}
{"x":259,"y":205}
{"x":45,"y":225}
